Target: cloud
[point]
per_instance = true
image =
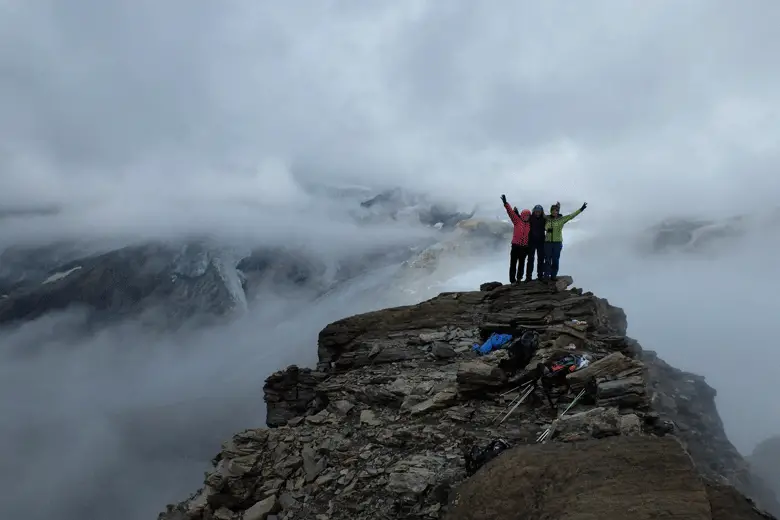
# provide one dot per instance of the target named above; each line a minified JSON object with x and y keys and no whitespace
{"x":151,"y":119}
{"x":617,"y":102}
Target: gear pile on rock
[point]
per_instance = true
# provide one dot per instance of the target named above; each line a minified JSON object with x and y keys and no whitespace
{"x":401,"y":411}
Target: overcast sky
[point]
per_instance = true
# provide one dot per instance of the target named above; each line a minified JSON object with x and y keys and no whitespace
{"x":650,"y":104}
{"x":146,"y":114}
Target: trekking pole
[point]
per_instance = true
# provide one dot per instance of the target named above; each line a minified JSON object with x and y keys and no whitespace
{"x":511,"y":403}
{"x":547,"y":433}
{"x":519,"y":402}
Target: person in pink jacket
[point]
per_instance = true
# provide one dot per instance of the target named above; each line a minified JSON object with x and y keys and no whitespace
{"x":520,"y":248}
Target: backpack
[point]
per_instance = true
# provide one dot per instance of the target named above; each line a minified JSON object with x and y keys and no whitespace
{"x":479,"y":456}
{"x":568,"y":363}
{"x":521,"y":350}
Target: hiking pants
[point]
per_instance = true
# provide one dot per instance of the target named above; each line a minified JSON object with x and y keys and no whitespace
{"x":552,"y":258}
{"x":538,"y":250}
{"x":517,"y":258}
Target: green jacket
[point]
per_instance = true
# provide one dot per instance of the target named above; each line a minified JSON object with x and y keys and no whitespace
{"x":554,"y":226}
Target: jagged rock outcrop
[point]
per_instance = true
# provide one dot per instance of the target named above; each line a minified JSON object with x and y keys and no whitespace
{"x":380,"y":427}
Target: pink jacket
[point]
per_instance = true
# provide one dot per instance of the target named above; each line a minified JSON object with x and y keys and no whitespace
{"x":521,"y":223}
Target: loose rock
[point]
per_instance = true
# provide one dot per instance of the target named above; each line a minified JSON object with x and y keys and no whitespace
{"x":443,"y":350}
{"x":262,"y":509}
{"x":380,"y":429}
{"x":368,"y":417}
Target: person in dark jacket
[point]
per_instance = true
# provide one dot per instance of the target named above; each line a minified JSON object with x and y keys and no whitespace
{"x":536,"y":243}
{"x":519,"y":251}
{"x":554,"y":238}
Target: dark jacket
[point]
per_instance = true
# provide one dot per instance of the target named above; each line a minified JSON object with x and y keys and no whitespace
{"x":537,"y":233}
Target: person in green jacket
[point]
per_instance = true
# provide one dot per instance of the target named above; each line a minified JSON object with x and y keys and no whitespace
{"x":553,"y":240}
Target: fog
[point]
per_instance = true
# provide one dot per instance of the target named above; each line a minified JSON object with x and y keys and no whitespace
{"x":711,"y":316}
{"x":121,"y":423}
{"x":137,"y":120}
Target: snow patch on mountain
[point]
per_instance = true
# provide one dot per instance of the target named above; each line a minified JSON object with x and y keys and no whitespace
{"x":60,"y":275}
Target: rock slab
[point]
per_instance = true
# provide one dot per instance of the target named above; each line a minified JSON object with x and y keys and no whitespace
{"x":641,"y":478}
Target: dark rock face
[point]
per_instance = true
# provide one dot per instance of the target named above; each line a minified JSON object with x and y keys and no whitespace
{"x":292,"y":393}
{"x":128,"y":281}
{"x":167,"y":283}
{"x":196,"y":280}
{"x":22,"y":267}
{"x":381,"y":427}
{"x":489,"y":286}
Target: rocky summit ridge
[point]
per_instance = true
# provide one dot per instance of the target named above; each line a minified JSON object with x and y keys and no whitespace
{"x":382,"y":427}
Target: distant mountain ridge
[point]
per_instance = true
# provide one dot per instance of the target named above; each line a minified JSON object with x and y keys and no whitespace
{"x":169,"y":283}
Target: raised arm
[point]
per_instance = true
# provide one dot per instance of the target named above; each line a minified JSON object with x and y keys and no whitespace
{"x":570,"y":216}
{"x":514,"y":217}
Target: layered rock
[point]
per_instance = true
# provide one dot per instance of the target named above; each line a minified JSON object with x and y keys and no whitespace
{"x":380,"y":427}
